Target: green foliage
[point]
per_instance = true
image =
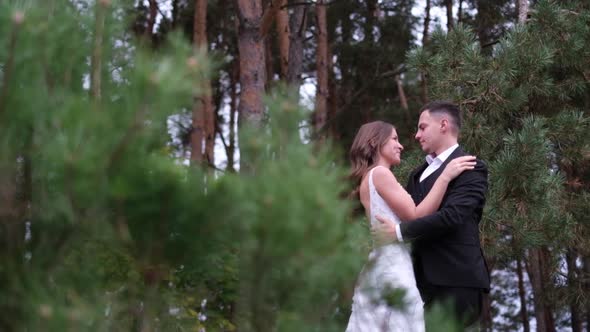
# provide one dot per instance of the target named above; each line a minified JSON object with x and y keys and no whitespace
{"x":124,"y":237}
{"x":524,"y":104}
{"x":297,"y":251}
{"x":440,"y":318}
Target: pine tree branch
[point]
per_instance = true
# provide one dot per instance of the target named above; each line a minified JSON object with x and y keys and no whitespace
{"x":492,"y":43}
{"x":399,"y":70}
{"x":127,"y":138}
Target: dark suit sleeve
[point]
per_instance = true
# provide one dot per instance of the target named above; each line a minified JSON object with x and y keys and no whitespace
{"x":463,"y":203}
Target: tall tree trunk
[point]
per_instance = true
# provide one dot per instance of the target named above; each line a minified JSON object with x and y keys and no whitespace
{"x":96,"y":58}
{"x":370,"y":20}
{"x":403,"y":101}
{"x":485,"y":8}
{"x":252,"y":77}
{"x":203,"y":133}
{"x":270,"y":13}
{"x":426,"y":32}
{"x":332,"y":96}
{"x":16,"y":198}
{"x":231,"y":150}
{"x":321,"y":100}
{"x":586,"y":268}
{"x":536,"y":272}
{"x":210,"y":125}
{"x":425,"y":40}
{"x":545,"y":258}
{"x":573,"y":282}
{"x":523,"y":10}
{"x":486,"y":308}
{"x":174,"y":13}
{"x":269,"y":63}
{"x":522,"y":295}
{"x":449,"y":6}
{"x":460,"y":12}
{"x":153,"y":13}
{"x":283,"y":36}
{"x":8,"y":210}
{"x":297,"y":25}
{"x":486,"y":313}
{"x":26,"y":188}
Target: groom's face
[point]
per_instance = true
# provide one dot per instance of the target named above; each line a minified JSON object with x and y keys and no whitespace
{"x":429,"y":133}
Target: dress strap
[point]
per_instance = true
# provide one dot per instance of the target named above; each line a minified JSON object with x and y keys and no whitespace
{"x":372,"y":189}
{"x":371,"y":184}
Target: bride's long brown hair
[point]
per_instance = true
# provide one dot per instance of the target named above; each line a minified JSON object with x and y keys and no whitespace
{"x":365,"y":150}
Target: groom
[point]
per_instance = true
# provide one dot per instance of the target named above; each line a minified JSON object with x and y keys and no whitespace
{"x":448,"y":261}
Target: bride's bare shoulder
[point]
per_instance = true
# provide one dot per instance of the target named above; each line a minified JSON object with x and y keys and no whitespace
{"x":382,"y":176}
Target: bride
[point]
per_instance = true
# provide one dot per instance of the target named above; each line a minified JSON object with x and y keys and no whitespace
{"x":374,"y":150}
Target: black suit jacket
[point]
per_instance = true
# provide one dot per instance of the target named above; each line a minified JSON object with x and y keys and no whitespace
{"x":446,"y":248}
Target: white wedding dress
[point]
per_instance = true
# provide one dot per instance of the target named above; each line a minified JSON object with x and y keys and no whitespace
{"x":389,"y":267}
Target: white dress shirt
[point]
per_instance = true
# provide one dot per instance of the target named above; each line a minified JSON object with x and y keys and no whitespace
{"x":433,"y":164}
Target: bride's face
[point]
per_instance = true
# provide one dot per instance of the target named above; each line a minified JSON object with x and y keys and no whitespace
{"x":392,"y":150}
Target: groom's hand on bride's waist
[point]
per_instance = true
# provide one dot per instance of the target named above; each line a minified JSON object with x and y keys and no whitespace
{"x":384,"y":233}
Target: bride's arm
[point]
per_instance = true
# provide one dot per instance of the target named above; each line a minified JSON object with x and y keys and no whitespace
{"x":402,"y":203}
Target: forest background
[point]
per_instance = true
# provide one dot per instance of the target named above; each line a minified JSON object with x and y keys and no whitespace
{"x":176,"y":165}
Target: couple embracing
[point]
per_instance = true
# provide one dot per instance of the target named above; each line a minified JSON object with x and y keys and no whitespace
{"x":438,"y":213}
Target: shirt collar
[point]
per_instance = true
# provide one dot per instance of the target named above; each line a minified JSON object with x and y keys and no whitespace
{"x":443,"y":156}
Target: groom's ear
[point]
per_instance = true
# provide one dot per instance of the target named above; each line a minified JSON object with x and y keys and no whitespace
{"x":444,"y":124}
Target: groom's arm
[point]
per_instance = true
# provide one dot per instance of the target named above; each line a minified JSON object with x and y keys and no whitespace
{"x":464,"y":198}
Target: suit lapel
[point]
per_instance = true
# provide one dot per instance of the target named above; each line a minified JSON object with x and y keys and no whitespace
{"x":429,"y":181}
{"x":414,"y":187}
{"x":418,"y":172}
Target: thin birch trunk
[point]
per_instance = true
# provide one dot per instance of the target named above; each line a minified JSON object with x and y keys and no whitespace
{"x":523,"y":11}
{"x":201,"y":104}
{"x":234,"y":77}
{"x":572,"y":276}
{"x":524,"y":316}
{"x":449,"y":6}
{"x":297,"y":25}
{"x":153,"y":12}
{"x":321,"y":101}
{"x":425,"y":41}
{"x":174,"y":13}
{"x":269,"y":63}
{"x":586,"y":268}
{"x":403,"y":101}
{"x":268,"y":17}
{"x":96,"y":58}
{"x":534,"y":272}
{"x":535,"y":269}
{"x":370,"y":19}
{"x":332,"y":97}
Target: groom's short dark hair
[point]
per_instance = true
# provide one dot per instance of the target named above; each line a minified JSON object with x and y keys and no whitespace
{"x":445,"y":107}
